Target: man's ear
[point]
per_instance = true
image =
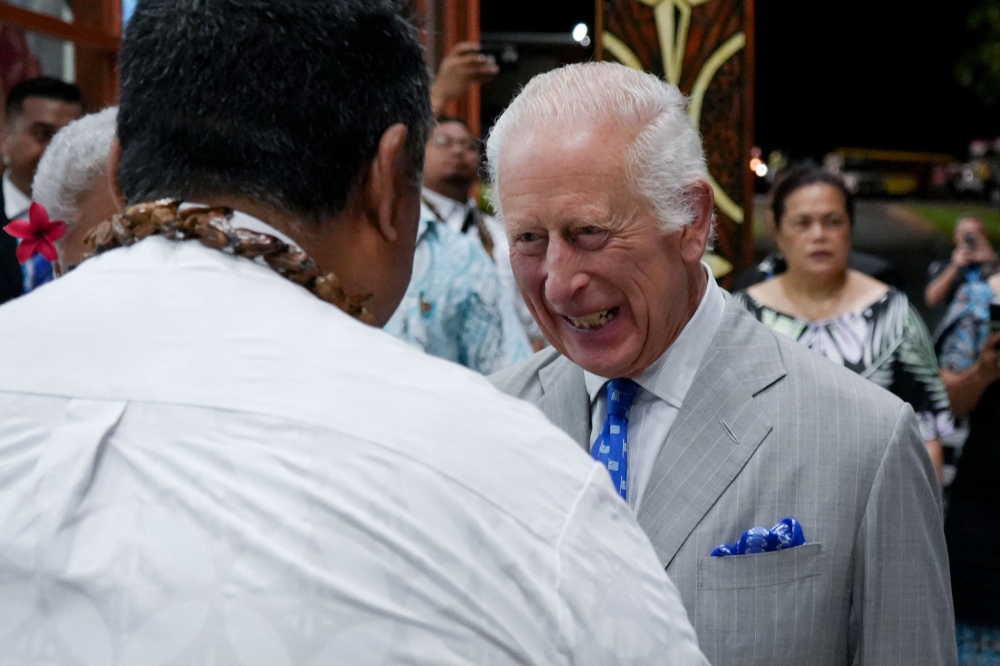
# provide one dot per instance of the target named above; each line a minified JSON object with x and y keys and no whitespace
{"x":114,"y":161}
{"x":386,"y":180}
{"x":694,"y":237}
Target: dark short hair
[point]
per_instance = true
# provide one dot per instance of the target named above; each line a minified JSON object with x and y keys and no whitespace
{"x":796,"y":178}
{"x":281,"y":102}
{"x":45,"y":87}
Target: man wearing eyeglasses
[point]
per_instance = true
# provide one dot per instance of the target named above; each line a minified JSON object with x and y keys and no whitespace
{"x":451,"y":168}
{"x":458,"y":304}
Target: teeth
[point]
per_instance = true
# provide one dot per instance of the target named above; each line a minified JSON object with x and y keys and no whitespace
{"x":594,"y":320}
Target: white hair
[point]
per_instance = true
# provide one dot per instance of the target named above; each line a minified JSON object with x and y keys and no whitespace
{"x":664,"y":160}
{"x":75,"y":159}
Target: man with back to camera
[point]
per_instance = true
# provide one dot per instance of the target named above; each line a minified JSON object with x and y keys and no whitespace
{"x":207,"y":458}
{"x":35,"y":110}
{"x":709,"y":423}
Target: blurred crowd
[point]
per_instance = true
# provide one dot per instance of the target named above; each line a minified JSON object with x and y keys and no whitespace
{"x":182,"y":395}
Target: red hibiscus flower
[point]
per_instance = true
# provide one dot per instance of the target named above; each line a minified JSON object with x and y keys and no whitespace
{"x":38,"y":234}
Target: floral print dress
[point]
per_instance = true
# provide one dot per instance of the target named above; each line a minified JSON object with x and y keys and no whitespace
{"x":885,"y":342}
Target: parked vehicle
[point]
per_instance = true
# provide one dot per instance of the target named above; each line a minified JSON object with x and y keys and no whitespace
{"x":871,"y":172}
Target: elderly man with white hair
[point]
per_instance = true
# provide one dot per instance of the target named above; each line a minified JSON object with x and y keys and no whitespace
{"x":74,"y":182}
{"x":712,"y":427}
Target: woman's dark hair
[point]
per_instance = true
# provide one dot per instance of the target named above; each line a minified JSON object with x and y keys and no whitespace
{"x":279,"y":101}
{"x":798,"y":177}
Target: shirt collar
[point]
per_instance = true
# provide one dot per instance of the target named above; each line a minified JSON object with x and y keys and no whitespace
{"x":15,"y":201}
{"x":241,"y":220}
{"x":445,"y":206}
{"x":670,"y":376}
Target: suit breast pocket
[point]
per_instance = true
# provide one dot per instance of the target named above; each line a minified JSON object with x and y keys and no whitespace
{"x":762,"y":609}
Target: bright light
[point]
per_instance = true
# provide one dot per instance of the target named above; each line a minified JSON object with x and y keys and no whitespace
{"x":580,"y":32}
{"x":761,"y":170}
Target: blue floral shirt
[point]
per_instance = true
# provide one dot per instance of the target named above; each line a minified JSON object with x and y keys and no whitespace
{"x":454,"y":306}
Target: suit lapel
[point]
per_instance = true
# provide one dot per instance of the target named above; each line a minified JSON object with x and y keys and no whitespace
{"x":565,"y":400}
{"x":717,"y":430}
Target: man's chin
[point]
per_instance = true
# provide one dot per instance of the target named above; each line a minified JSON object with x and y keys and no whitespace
{"x":603,"y":353}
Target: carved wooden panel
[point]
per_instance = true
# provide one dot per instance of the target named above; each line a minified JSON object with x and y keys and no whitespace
{"x":706,"y":48}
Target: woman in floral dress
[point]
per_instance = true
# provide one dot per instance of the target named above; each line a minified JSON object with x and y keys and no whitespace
{"x":843,"y":314}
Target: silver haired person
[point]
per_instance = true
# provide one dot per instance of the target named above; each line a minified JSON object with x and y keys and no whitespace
{"x":74,"y":183}
{"x":710,"y":423}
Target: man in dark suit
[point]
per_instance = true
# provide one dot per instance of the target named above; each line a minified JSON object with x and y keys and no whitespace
{"x":34,"y":111}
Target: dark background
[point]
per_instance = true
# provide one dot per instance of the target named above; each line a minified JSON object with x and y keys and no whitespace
{"x":846,"y":74}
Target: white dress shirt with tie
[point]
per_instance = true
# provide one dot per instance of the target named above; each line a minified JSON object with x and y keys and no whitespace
{"x":662,"y":387}
{"x":203,"y":463}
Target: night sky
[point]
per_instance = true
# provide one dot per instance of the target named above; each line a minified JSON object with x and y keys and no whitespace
{"x":834,"y":74}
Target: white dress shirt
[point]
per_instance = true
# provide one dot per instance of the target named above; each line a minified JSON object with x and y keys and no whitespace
{"x":454,"y":214}
{"x":15,"y":202}
{"x":202,"y":462}
{"x":663,"y":386}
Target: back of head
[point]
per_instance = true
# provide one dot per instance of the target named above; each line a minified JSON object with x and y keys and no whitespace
{"x":74,"y":160}
{"x":277,"y":102}
{"x":664,"y":159}
{"x":45,"y":87}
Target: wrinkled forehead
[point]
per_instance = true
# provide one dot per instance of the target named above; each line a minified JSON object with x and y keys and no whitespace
{"x":550,"y":173}
{"x":551,"y":147}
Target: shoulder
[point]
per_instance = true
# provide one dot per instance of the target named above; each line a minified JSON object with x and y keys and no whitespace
{"x":521,"y":379}
{"x":767,"y":294}
{"x":747,"y":301}
{"x":823,"y":390}
{"x":866,"y":290}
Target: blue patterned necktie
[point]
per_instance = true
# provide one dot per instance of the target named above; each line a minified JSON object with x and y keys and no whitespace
{"x":611,"y":447}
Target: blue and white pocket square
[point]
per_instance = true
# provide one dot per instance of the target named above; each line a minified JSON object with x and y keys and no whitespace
{"x":784,"y":535}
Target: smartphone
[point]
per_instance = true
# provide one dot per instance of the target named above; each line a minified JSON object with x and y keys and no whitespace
{"x":994,"y":317}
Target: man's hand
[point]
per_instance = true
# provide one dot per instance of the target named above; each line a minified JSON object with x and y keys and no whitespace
{"x":983,"y":254}
{"x":962,"y":256}
{"x":462,"y":67}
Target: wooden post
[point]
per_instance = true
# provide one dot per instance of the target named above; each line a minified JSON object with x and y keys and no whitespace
{"x":461,"y":24}
{"x":97,"y":70}
{"x":96,"y":32}
{"x":706,"y":48}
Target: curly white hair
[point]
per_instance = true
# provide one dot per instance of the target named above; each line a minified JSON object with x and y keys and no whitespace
{"x":75,"y":159}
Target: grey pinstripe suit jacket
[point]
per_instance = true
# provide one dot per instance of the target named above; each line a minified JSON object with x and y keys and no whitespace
{"x":770,"y":430}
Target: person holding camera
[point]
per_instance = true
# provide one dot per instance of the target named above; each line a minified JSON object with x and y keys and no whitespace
{"x":968,"y":353}
{"x":973,"y":259}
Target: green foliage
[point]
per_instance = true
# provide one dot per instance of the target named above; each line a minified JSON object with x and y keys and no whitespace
{"x":944,"y":217}
{"x":979,"y":68}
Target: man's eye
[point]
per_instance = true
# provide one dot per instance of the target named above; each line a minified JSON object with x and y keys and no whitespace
{"x":589,"y":231}
{"x":528,"y":237}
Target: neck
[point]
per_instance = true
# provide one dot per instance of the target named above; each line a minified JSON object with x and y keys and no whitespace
{"x":20,"y":183}
{"x":454,"y":192}
{"x":809,"y":287}
{"x":291,"y":226}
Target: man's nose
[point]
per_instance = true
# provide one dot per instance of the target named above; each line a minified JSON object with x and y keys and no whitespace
{"x":564,"y":276}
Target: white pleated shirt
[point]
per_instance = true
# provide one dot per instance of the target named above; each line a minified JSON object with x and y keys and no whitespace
{"x":203,"y":463}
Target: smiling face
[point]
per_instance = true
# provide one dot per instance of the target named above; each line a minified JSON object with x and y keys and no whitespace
{"x":814,"y":232}
{"x":607,"y":286}
{"x":27,"y":135}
